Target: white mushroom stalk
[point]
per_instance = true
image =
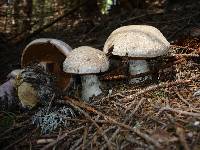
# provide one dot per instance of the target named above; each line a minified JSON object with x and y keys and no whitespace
{"x":87,"y":61}
{"x":138,"y":67}
{"x":137,"y":41}
{"x":90,"y":86}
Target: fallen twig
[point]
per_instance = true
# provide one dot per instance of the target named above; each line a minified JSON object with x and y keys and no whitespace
{"x":44,"y":141}
{"x":180,"y":111}
{"x":135,"y":130}
{"x":62,"y":137}
{"x":182,"y":99}
{"x":183,"y":47}
{"x":154,"y":87}
{"x":100,"y":130}
{"x":181,"y":135}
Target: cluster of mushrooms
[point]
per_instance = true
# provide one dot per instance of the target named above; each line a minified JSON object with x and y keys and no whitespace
{"x":135,"y":42}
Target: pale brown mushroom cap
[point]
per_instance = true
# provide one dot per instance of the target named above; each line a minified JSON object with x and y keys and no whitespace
{"x":137,"y":41}
{"x":86,"y":60}
{"x":51,"y":51}
{"x":27,"y":95}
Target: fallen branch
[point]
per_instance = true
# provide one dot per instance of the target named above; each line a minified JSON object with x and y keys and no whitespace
{"x":184,"y":55}
{"x":135,"y":130}
{"x":183,"y":47}
{"x":100,"y":130}
{"x":141,"y":16}
{"x":16,"y":142}
{"x":181,"y":134}
{"x":180,"y":111}
{"x":154,"y":87}
{"x":20,"y":139}
{"x":62,"y":137}
{"x":44,"y":141}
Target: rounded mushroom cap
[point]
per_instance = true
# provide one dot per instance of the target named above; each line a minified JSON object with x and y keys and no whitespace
{"x":137,"y":41}
{"x":86,"y":60}
{"x":51,"y":53}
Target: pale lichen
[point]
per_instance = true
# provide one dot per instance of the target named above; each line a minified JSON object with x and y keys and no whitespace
{"x":50,"y":120}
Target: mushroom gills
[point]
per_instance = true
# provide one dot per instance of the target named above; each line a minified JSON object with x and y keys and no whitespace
{"x":90,"y":86}
{"x":138,"y":67}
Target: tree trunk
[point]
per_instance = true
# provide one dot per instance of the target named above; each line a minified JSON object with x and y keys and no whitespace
{"x":27,"y":14}
{"x":40,"y":11}
{"x":16,"y":16}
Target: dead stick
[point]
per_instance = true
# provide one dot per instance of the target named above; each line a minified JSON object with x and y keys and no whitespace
{"x":182,"y":99}
{"x":154,"y":87}
{"x":183,"y":55}
{"x":180,"y":132}
{"x":62,"y":137}
{"x":16,"y":142}
{"x":137,"y":131}
{"x":185,"y":47}
{"x":19,"y":140}
{"x":44,"y":141}
{"x":180,"y":111}
{"x":100,"y":130}
{"x":126,"y":119}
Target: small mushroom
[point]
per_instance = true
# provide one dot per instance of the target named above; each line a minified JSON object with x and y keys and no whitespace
{"x":50,"y":53}
{"x":8,"y":95}
{"x":137,"y":42}
{"x":87,"y":61}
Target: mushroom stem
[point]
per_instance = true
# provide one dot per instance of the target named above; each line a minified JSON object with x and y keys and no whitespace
{"x":90,"y":86}
{"x":138,"y":67}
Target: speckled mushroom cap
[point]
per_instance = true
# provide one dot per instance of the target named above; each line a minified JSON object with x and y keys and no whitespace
{"x":86,"y":60}
{"x":50,"y":51}
{"x":137,"y":41}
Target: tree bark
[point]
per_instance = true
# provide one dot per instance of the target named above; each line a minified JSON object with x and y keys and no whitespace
{"x":40,"y":11}
{"x":27,"y":14}
{"x":16,"y":16}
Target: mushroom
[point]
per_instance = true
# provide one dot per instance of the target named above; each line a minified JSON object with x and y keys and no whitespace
{"x":87,"y":61}
{"x":27,"y":95}
{"x":8,"y":92}
{"x":50,"y":53}
{"x":35,"y":85}
{"x":137,"y":42}
{"x":7,"y":95}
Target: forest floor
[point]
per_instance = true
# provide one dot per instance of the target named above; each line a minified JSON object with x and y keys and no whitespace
{"x":162,"y":114}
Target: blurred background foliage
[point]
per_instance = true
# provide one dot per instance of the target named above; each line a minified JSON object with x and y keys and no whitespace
{"x":19,"y":15}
